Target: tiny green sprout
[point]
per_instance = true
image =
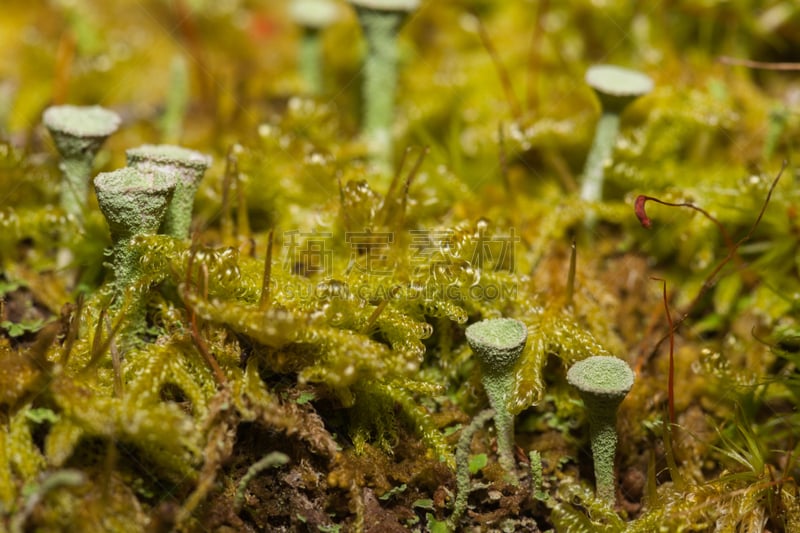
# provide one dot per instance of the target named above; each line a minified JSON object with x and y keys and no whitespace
{"x":464,"y":465}
{"x":78,"y":132}
{"x":18,"y":329}
{"x":271,"y":460}
{"x":380,"y":21}
{"x":134,"y":202}
{"x":187,"y":167}
{"x":537,"y":478}
{"x":602,"y":382}
{"x":498,"y":343}
{"x":615,"y":87}
{"x":312,"y":16}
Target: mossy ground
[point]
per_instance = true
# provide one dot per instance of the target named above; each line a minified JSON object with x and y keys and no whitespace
{"x":351,"y":359}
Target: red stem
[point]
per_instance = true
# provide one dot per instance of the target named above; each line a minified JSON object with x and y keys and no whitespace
{"x":732,"y":247}
{"x":671,"y":376}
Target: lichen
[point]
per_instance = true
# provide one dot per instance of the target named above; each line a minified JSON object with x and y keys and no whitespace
{"x":318,"y":309}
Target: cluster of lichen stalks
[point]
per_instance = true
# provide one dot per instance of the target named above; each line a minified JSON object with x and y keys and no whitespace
{"x":603,"y":381}
{"x":155,"y":193}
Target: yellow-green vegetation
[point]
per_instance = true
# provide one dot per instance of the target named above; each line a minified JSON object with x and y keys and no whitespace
{"x":296,"y":356}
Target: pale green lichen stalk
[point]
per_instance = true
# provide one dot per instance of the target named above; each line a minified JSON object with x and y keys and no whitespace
{"x":134,"y":202}
{"x":177,"y":102}
{"x":312,"y":16}
{"x":498,"y":343}
{"x":187,"y":167}
{"x":603,"y":382}
{"x":615,"y":87}
{"x":78,"y":132}
{"x":380,"y":21}
{"x":462,"y":465}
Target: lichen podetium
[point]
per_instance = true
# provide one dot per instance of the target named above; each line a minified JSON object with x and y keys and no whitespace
{"x":380,"y":21}
{"x":498,"y":343}
{"x":78,"y":132}
{"x":186,"y":167}
{"x":602,"y":382}
{"x":134,"y":202}
{"x":616,"y":88}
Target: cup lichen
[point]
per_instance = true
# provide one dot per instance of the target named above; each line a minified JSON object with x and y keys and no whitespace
{"x":615,"y":87}
{"x":187,"y":166}
{"x":380,"y":21}
{"x":498,"y":343}
{"x":602,"y":382}
{"x":133,"y":202}
{"x":312,"y":16}
{"x":78,"y":132}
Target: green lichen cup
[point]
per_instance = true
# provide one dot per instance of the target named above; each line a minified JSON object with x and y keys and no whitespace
{"x":133,"y":202}
{"x":602,"y":382}
{"x":498,"y":344}
{"x":380,"y":22}
{"x":313,"y":16}
{"x":187,"y":166}
{"x":616,"y":88}
{"x":78,"y":132}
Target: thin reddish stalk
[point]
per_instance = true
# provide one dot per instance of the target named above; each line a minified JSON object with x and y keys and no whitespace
{"x":202,"y":347}
{"x":639,"y":209}
{"x":197,"y":339}
{"x":228,"y":177}
{"x":573,"y":262}
{"x":502,"y":73}
{"x":671,"y":375}
{"x":501,"y":141}
{"x":732,"y":249}
{"x":264,"y":300}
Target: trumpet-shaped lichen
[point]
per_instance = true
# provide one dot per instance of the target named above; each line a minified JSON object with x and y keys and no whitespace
{"x":186,"y":167}
{"x":498,"y":343}
{"x":603,"y":382}
{"x":78,"y":132}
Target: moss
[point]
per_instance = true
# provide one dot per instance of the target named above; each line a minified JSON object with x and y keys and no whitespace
{"x":320,"y":310}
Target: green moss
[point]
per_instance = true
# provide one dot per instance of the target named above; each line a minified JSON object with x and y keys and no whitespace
{"x":363,"y":378}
